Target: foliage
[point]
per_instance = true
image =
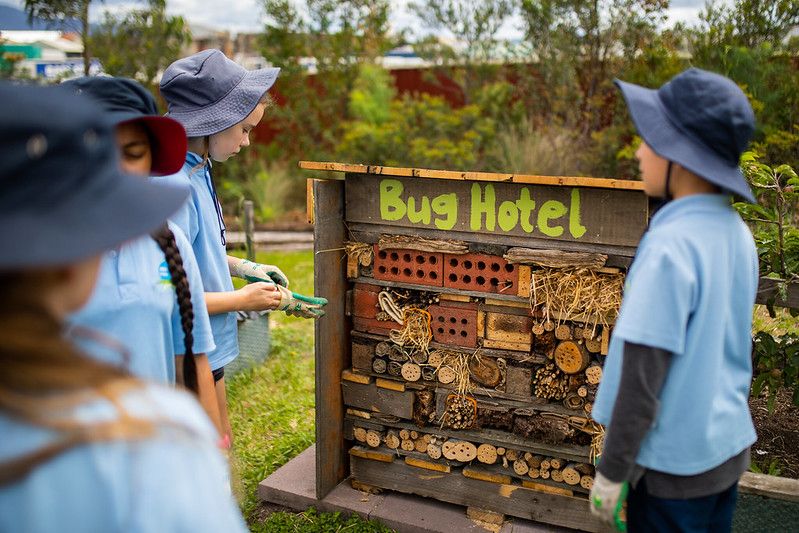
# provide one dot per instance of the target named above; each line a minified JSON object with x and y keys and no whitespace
{"x":747,"y":23}
{"x":338,"y":36}
{"x":776,"y":365}
{"x":62,"y":12}
{"x":313,"y":521}
{"x":371,"y":95}
{"x":141,"y":43}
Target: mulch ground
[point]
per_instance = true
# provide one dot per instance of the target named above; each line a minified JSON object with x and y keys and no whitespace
{"x":777,"y":434}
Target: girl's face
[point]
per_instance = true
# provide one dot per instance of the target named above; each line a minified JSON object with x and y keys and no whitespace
{"x":227,"y":143}
{"x":653,"y":170}
{"x":135,"y":150}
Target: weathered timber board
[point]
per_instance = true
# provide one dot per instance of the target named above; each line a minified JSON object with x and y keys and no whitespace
{"x":331,"y":355}
{"x":455,"y":488}
{"x":373,"y":398}
{"x":572,"y":214}
{"x":767,"y":290}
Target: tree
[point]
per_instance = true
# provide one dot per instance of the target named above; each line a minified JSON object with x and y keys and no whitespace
{"x":140,"y":44}
{"x":64,"y":12}
{"x":748,"y":23}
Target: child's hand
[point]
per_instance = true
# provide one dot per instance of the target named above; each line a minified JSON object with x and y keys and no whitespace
{"x":301,"y":306}
{"x":259,"y":296}
{"x":606,"y":500}
{"x":259,"y":272}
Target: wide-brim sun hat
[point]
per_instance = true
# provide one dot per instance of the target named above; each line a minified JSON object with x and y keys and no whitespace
{"x":126,"y":100}
{"x":208,"y":93}
{"x":63,"y":197}
{"x":699,"y":120}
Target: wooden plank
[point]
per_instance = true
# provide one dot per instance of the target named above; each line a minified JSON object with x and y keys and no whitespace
{"x":564,"y":214}
{"x":491,"y":302}
{"x":371,"y":455}
{"x":309,"y":203}
{"x":484,"y":475}
{"x":484,"y":515}
{"x":360,"y":414}
{"x":450,"y":297}
{"x":779,"y":488}
{"x":381,"y":400}
{"x":362,"y":357}
{"x":481,"y":324}
{"x":768,"y":289}
{"x":331,"y":350}
{"x":507,"y":345}
{"x":348,"y":375}
{"x":605,"y":345}
{"x":582,"y":181}
{"x":518,"y":381}
{"x":513,"y":500}
{"x":549,"y":489}
{"x":427,"y":465}
{"x":390,"y":384}
{"x":509,"y":328}
{"x":525,"y":278}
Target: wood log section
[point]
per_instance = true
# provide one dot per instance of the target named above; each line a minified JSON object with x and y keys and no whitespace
{"x":570,"y":475}
{"x":593,"y":345}
{"x":382,"y":349}
{"x":373,"y":438}
{"x":512,"y":455}
{"x":538,"y":329}
{"x":584,"y":469}
{"x":421,"y":445}
{"x":405,"y":434}
{"x":392,"y":440}
{"x":555,"y":258}
{"x":408,"y":445}
{"x":556,"y":475}
{"x":593,"y":374}
{"x":434,"y":451}
{"x":521,"y":467}
{"x":588,"y":407}
{"x":549,"y":325}
{"x":573,"y":401}
{"x":485,"y":371}
{"x":459,"y":450}
{"x":587,"y":482}
{"x":360,"y":434}
{"x":563,"y":332}
{"x":533,"y":460}
{"x":555,"y":463}
{"x":571,"y":357}
{"x":534,"y":473}
{"x":411,"y":372}
{"x":545,"y":464}
{"x":446,"y":375}
{"x":487,"y":454}
{"x":544,"y":474}
{"x":414,"y":435}
{"x":500,"y":451}
{"x":582,"y":391}
{"x":379,"y":366}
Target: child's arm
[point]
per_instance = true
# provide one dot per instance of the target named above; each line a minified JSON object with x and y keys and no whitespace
{"x":206,"y":394}
{"x":260,"y":296}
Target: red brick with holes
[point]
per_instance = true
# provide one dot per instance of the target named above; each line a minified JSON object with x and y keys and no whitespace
{"x":408,"y":266}
{"x":481,"y":273}
{"x":454,"y":323}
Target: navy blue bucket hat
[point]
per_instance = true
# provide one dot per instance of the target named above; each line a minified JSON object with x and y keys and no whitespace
{"x":126,"y":100}
{"x":698,"y":119}
{"x":63,"y":197}
{"x":208,"y":93}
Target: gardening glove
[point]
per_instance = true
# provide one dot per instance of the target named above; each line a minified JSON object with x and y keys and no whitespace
{"x":298,"y":305}
{"x":260,"y":272}
{"x":606,"y":500}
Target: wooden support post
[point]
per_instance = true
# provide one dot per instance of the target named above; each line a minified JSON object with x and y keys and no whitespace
{"x":331,"y":356}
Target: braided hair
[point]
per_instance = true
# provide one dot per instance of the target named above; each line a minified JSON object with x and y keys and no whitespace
{"x":166,"y":242}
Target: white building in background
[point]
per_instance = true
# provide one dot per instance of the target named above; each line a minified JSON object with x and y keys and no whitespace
{"x":46,"y":54}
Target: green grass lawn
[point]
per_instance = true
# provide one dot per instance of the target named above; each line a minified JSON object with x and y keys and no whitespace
{"x":272,"y":410}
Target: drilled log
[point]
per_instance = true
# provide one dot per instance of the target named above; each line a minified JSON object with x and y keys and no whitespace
{"x":571,"y":357}
{"x":534,"y":473}
{"x":593,"y":374}
{"x":373,"y":438}
{"x":392,"y":440}
{"x":570,"y":475}
{"x":360,"y":434}
{"x":587,"y":482}
{"x":404,"y":434}
{"x":563,"y":332}
{"x":434,"y":451}
{"x":512,"y":455}
{"x":544,"y":474}
{"x":485,"y":371}
{"x":379,"y":366}
{"x":459,"y":450}
{"x":421,"y":445}
{"x":487,"y":454}
{"x":411,"y":372}
{"x":446,"y":375}
{"x":555,"y":463}
{"x":593,"y":345}
{"x":538,"y":329}
{"x":408,"y":445}
{"x":556,"y":475}
{"x":521,"y":467}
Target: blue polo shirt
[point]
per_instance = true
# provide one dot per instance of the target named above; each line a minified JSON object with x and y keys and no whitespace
{"x":135,"y":303}
{"x":200,"y":218}
{"x":173,"y":480}
{"x":690,"y":291}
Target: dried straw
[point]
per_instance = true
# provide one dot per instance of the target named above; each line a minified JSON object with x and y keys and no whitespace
{"x":415,"y":330}
{"x":578,"y":294}
{"x":361,"y":251}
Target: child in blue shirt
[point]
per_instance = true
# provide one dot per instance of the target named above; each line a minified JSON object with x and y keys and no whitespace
{"x":85,"y":446}
{"x":219,"y":103}
{"x":674,"y":393}
{"x":143,"y":298}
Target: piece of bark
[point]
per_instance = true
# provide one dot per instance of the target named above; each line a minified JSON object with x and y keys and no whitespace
{"x":571,"y":357}
{"x":489,"y":418}
{"x":548,"y":430}
{"x":555,"y":258}
{"x":424,"y":408}
{"x":544,"y":343}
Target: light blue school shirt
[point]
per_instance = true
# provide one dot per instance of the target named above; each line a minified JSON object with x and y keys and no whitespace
{"x":175,"y":480}
{"x":135,"y":303}
{"x":200,"y":219}
{"x":690,"y":291}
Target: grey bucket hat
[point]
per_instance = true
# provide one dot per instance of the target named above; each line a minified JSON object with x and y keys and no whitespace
{"x":63,"y":196}
{"x":208,"y":93}
{"x":698,"y":119}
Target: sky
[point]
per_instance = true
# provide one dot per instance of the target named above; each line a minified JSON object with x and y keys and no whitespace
{"x":247,"y":15}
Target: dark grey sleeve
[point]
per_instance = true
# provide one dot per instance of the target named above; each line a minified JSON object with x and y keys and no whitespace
{"x":644,"y":370}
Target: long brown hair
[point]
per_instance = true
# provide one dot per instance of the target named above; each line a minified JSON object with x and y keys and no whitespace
{"x":44,"y":373}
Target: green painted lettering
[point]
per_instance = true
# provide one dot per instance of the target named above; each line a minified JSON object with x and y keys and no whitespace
{"x":508,"y":215}
{"x":550,"y":210}
{"x":447,"y":206}
{"x":576,"y":229}
{"x":392,"y":207}
{"x":423,"y":214}
{"x":480,"y":205}
{"x":526,"y":206}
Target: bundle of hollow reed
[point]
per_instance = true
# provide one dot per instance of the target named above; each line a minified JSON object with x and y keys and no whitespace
{"x":578,"y":294}
{"x":407,"y":242}
{"x":415,"y":329}
{"x":361,"y":251}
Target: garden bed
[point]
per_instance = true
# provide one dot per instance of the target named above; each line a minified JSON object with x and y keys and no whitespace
{"x":775,"y":451}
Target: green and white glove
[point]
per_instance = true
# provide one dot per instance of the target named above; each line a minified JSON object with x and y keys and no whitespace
{"x":298,"y":305}
{"x":606,"y":500}
{"x":260,"y":272}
